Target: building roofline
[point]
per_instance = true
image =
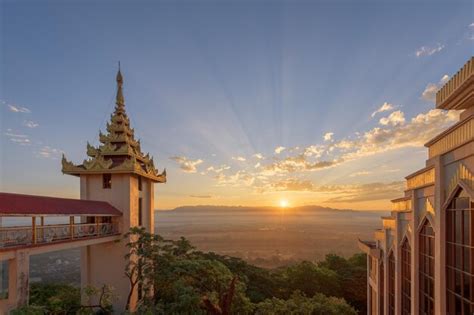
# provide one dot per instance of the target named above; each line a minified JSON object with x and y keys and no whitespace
{"x":420,"y":171}
{"x":12,"y":204}
{"x":444,"y":133}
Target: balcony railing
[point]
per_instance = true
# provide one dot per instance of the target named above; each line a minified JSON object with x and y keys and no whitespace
{"x":461,"y":77}
{"x":420,"y":179}
{"x":451,"y":138}
{"x":27,"y":235}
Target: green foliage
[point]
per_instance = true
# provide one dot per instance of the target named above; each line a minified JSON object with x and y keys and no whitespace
{"x":299,"y":304}
{"x":63,"y":299}
{"x":352,"y":275}
{"x":310,"y":279}
{"x":55,"y":298}
{"x":187,"y":281}
{"x":183,"y":279}
{"x":29,"y":310}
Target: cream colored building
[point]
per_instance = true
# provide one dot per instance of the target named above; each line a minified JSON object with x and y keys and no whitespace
{"x":116,"y":193}
{"x":422,"y":260}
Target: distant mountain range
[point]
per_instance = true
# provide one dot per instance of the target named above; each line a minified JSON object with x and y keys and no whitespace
{"x":223,"y":209}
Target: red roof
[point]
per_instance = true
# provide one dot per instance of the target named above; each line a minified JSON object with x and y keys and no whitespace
{"x":27,"y":205}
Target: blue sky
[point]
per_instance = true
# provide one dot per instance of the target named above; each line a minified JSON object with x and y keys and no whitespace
{"x":214,"y":88}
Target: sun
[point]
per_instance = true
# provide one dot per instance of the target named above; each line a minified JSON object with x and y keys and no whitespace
{"x":283,"y":203}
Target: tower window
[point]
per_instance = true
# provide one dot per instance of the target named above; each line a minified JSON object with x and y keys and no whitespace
{"x":140,"y":212}
{"x":106,"y":181}
{"x":426,"y":269}
{"x":140,"y":183}
{"x":381,"y":287}
{"x":460,"y":255}
{"x":391,"y":284}
{"x":406,"y":278}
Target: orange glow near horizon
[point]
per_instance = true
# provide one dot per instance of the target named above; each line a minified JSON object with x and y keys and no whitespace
{"x":284,"y":203}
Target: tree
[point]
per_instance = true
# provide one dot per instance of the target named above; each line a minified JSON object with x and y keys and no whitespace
{"x":184,"y":280}
{"x":352,"y":274}
{"x":299,"y":304}
{"x":310,"y":279}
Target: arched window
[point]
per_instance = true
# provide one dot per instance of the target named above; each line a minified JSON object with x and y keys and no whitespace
{"x":406,"y":278}
{"x":460,"y":255}
{"x":426,"y":269}
{"x":381,"y":287}
{"x":391,"y":284}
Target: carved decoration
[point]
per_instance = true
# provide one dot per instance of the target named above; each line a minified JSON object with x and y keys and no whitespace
{"x":127,"y":165}
{"x":97,"y":163}
{"x":462,"y":173}
{"x":68,"y":166}
{"x":91,"y":150}
{"x":429,"y":206}
{"x":107,"y":148}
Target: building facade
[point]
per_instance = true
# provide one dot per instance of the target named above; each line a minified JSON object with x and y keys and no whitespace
{"x":422,"y":259}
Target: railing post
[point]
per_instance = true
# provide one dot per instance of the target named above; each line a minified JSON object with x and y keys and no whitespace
{"x":33,"y":232}
{"x":71,"y":226}
{"x":42,"y":229}
{"x":97,"y":226}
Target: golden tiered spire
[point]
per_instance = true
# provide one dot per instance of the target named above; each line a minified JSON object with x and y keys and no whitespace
{"x":119,"y":99}
{"x":119,"y":152}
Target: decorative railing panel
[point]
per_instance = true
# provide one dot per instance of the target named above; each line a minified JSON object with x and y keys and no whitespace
{"x":25,"y":235}
{"x":462,"y":134}
{"x":422,"y":179}
{"x":455,"y":82}
{"x":388,"y":223}
{"x":401,"y":205}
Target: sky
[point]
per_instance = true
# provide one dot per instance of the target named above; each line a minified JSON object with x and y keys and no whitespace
{"x":244,"y":103}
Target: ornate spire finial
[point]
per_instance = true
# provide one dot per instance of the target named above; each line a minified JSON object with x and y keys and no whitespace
{"x":119,"y":100}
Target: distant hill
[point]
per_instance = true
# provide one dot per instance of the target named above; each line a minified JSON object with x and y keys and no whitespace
{"x":224,"y":209}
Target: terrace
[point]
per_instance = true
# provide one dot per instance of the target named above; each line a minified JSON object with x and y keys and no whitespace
{"x":98,"y":219}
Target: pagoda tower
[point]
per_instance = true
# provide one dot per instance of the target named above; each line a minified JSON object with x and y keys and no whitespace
{"x":119,"y":173}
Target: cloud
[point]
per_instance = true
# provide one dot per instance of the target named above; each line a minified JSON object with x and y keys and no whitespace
{"x":240,"y":178}
{"x":366,"y":192}
{"x":419,"y":130}
{"x":279,"y":149}
{"x":21,"y":141}
{"x":283,"y":172}
{"x":314,"y":150}
{"x":187,"y":165}
{"x":291,"y":184}
{"x":17,"y":138}
{"x":385,"y":107}
{"x":18,"y":109}
{"x":360,"y":173}
{"x":428,"y":51}
{"x":239,"y":158}
{"x":342,"y":192}
{"x":328,"y":136}
{"x":298,"y":163}
{"x":429,"y":94}
{"x":395,"y":118}
{"x":258,"y":156}
{"x":49,"y":153}
{"x":30,"y":124}
{"x":201,"y":196}
{"x":218,"y":169}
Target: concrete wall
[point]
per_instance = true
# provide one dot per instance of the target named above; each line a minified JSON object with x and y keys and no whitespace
{"x":104,"y":264}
